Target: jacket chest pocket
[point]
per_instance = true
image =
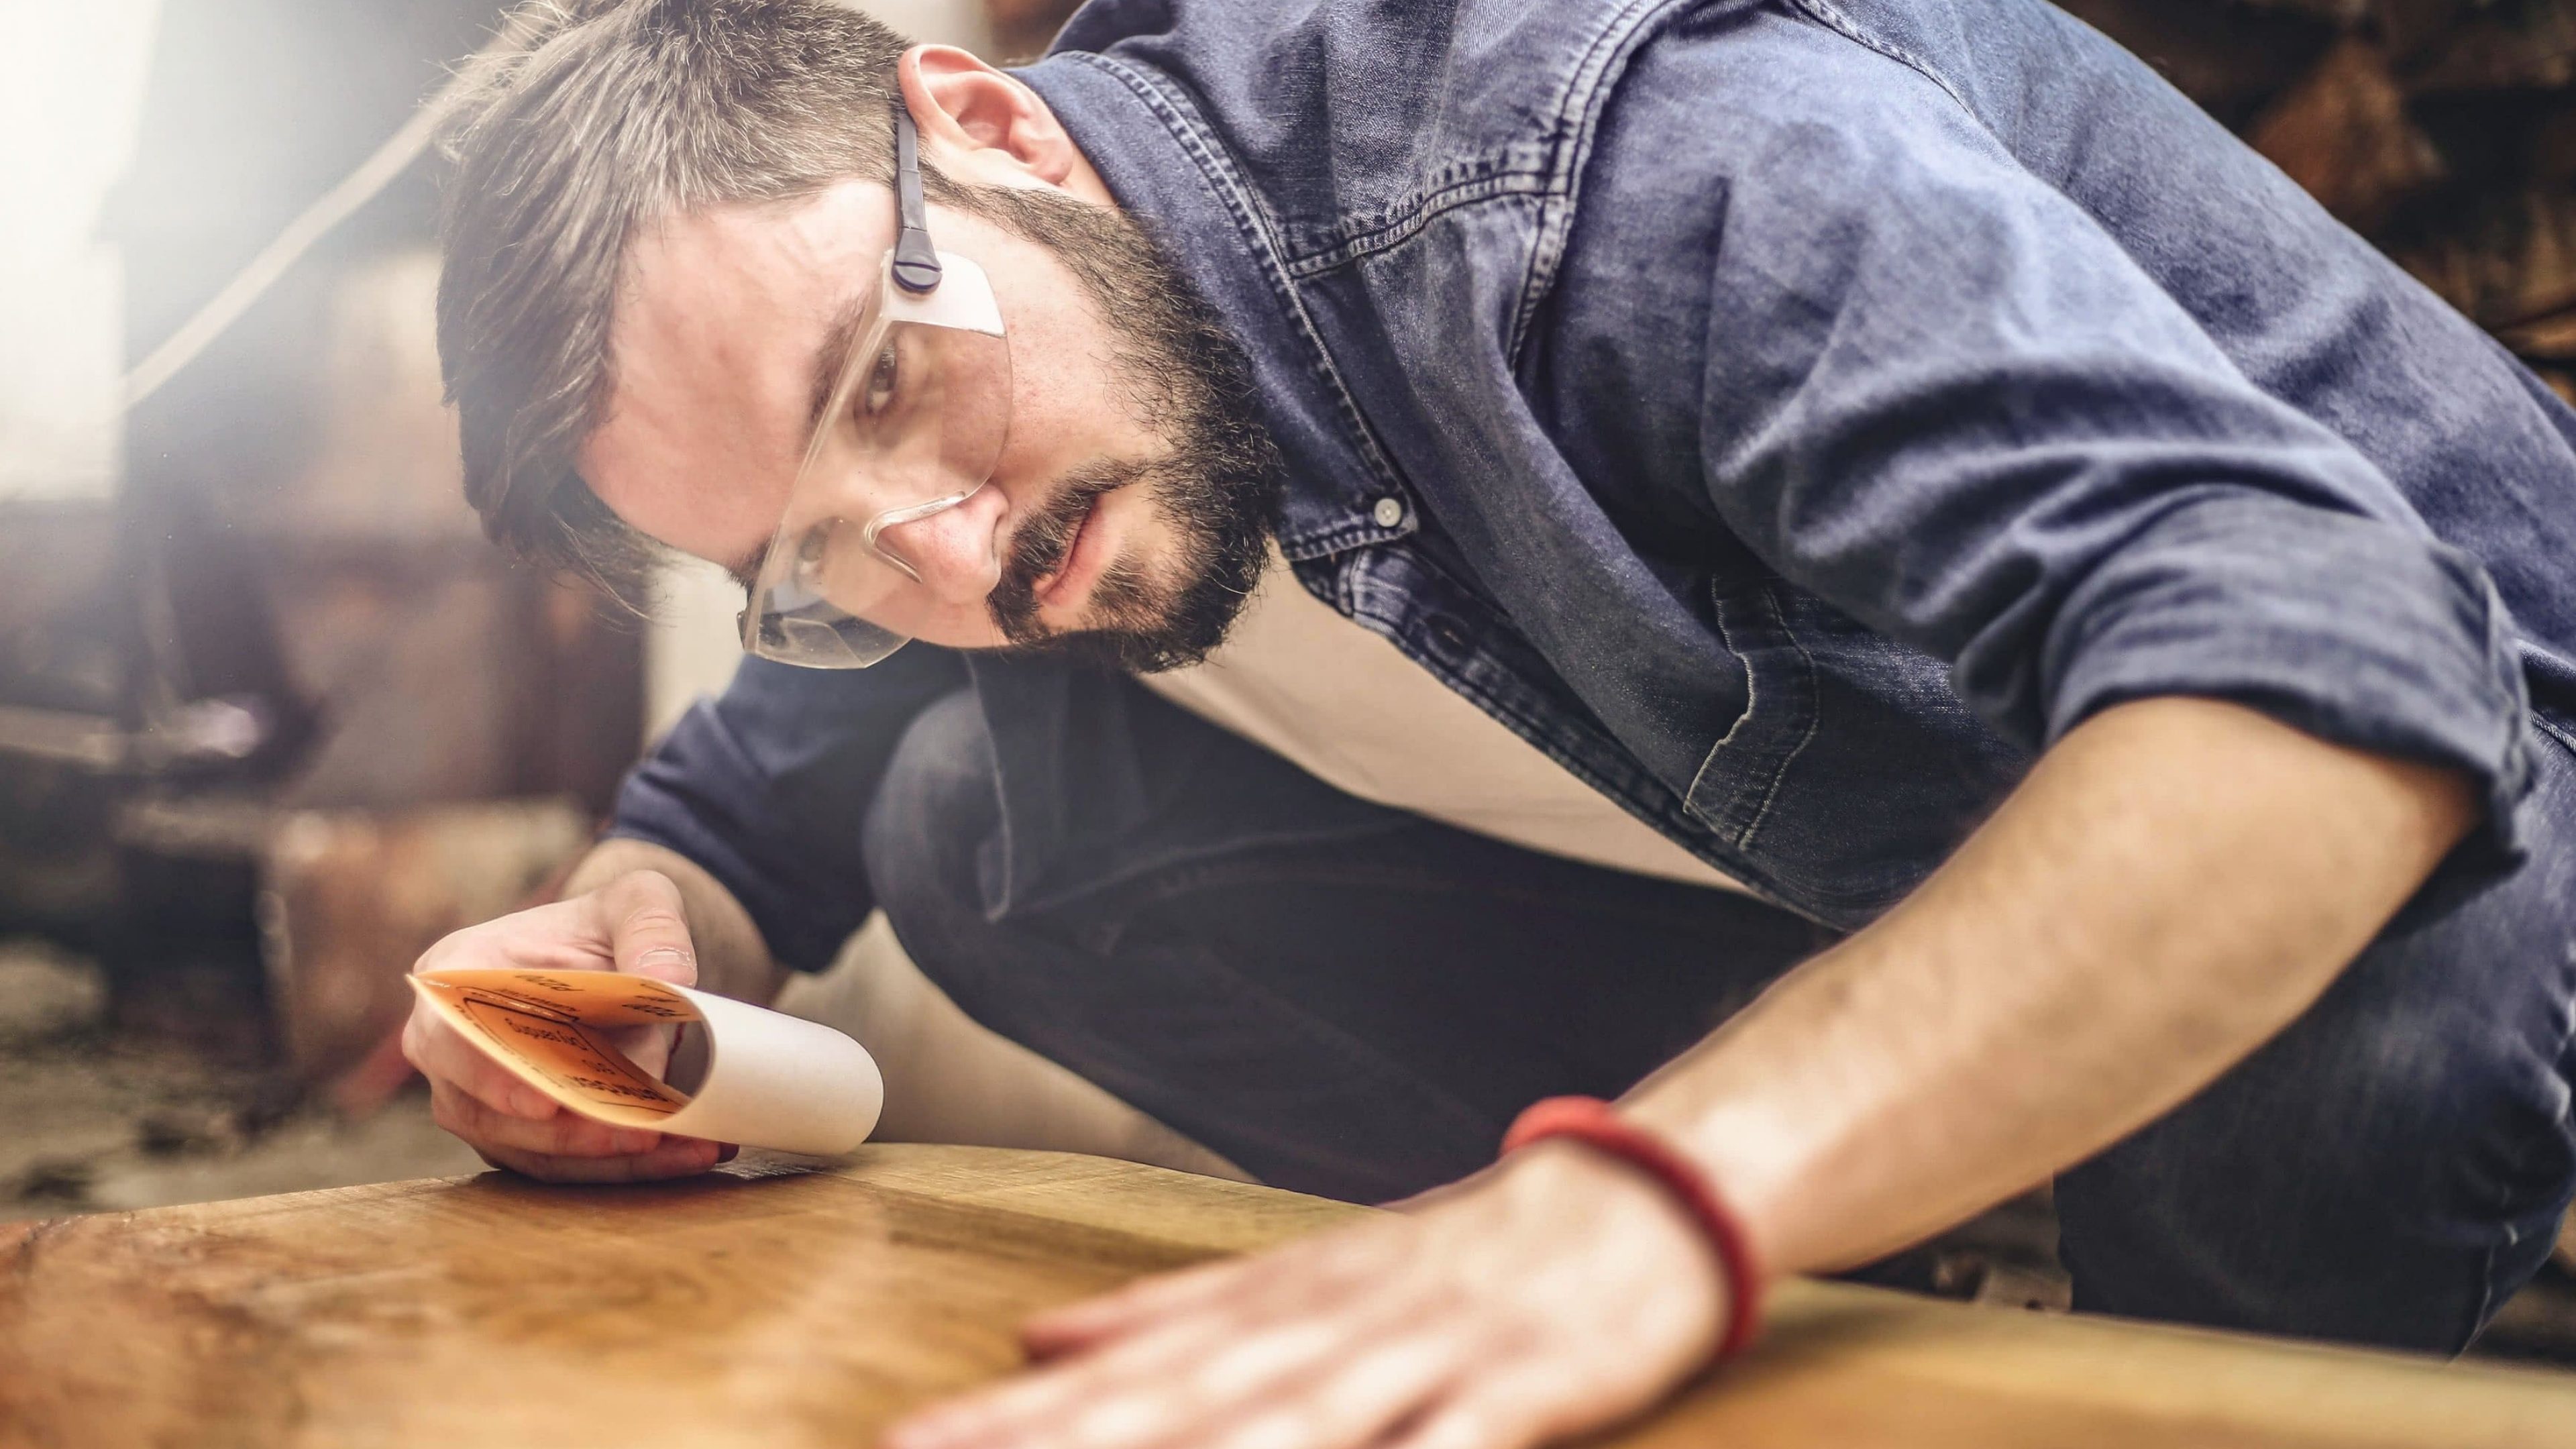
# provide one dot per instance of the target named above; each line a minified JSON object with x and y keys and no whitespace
{"x":1739,"y":782}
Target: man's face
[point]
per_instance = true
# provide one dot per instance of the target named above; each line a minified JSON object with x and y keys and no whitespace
{"x":1130,"y":501}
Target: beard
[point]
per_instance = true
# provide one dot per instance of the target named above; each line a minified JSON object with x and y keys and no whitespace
{"x":1214,"y":488}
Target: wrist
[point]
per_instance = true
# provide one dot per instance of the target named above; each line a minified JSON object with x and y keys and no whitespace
{"x":1760,"y":1161}
{"x":1616,"y":1226}
{"x":1590,"y":1132}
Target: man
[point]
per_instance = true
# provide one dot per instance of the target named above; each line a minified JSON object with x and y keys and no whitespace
{"x":1873,"y":524}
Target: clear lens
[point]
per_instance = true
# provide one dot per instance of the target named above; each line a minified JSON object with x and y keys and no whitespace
{"x":915,"y":425}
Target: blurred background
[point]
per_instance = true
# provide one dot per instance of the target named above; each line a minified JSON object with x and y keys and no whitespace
{"x":273,"y":717}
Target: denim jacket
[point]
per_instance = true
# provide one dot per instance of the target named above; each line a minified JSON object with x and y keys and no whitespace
{"x":1790,"y":415}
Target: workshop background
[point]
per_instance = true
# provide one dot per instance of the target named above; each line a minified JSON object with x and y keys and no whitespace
{"x":273,"y":717}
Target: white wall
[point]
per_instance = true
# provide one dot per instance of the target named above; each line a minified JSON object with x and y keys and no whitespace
{"x":71,"y":93}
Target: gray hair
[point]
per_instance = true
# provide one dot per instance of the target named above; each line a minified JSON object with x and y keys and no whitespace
{"x":618,"y":112}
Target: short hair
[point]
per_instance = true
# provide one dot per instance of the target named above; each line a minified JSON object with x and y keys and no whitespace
{"x":614,"y":113}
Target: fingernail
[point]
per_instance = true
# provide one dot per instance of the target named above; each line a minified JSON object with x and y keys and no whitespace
{"x":663,"y":958}
{"x":729,"y":1152}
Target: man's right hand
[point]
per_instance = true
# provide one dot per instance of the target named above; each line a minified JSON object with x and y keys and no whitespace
{"x":635,"y":923}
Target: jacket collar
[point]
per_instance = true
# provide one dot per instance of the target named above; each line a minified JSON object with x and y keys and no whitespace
{"x":1155,"y":153}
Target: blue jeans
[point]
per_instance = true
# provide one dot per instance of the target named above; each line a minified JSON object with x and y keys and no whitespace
{"x":1358,"y":1010}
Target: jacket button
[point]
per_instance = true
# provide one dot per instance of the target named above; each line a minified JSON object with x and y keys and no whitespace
{"x":1389,"y":512}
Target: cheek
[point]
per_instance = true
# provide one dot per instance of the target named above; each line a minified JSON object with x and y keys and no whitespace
{"x":1066,"y":407}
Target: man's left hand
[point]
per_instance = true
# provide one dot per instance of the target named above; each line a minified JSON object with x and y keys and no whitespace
{"x":1556,"y":1293}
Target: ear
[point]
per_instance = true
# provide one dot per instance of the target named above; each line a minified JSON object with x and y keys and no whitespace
{"x":980,"y":125}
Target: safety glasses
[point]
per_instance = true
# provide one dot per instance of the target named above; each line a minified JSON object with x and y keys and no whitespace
{"x":912,"y":426}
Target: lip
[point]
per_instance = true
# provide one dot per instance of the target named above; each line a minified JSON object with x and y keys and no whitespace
{"x":1081,"y":561}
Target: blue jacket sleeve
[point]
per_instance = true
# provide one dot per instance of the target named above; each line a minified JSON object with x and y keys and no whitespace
{"x":1942,"y":397}
{"x":766,"y":786}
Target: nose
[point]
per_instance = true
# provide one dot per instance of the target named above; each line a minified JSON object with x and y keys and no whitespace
{"x":955,"y":552}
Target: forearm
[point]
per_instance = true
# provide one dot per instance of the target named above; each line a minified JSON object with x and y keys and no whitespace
{"x":2173,"y":884}
{"x":733,"y":960}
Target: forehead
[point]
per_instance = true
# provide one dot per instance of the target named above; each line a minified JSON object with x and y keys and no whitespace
{"x":720,"y":315}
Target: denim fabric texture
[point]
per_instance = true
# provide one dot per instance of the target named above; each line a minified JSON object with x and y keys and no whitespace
{"x":1352,"y":1001}
{"x":1798,"y":413}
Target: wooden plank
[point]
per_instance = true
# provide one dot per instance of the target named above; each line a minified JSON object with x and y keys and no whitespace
{"x":787,"y":1307}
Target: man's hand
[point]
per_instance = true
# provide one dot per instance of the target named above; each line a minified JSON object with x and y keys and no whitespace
{"x":1557,"y":1293}
{"x":635,"y":923}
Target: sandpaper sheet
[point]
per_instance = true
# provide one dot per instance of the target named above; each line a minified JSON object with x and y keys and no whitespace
{"x":772,"y":1080}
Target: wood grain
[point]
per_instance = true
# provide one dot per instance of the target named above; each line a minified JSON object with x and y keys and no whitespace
{"x":790,"y":1307}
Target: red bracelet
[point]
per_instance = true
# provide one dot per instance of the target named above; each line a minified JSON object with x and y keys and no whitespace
{"x":1590,"y":1121}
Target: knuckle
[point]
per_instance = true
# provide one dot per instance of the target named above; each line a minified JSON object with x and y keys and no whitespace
{"x":649,"y":900}
{"x":641,"y":889}
{"x":657,"y":885}
{"x":491,"y":1090}
{"x":656,"y":920}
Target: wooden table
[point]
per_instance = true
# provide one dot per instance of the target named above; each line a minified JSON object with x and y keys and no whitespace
{"x":789,"y":1307}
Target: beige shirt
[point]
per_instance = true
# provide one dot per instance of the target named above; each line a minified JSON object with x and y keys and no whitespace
{"x":1313,"y":687}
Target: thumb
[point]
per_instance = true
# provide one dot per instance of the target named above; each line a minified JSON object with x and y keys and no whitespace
{"x":647,"y":927}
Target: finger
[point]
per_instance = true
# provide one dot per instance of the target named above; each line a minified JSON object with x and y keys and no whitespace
{"x":1185,"y":1379}
{"x":1354,"y":1402}
{"x":1514,"y":1405}
{"x":646,"y":925}
{"x":443,"y":1056}
{"x":563,"y":1135}
{"x":1081,"y":1401}
{"x":1463,"y":1422}
{"x":556,"y":937}
{"x":675,"y":1157}
{"x":649,"y":1047}
{"x":1075,"y":1327}
{"x":1457,"y":1424}
{"x":1305,"y":1272}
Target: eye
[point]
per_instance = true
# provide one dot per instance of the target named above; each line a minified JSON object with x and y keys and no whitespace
{"x":878,"y":392}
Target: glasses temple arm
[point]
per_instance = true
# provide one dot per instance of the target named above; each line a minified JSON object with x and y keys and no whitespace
{"x":916,"y":262}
